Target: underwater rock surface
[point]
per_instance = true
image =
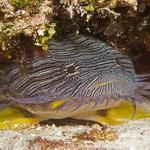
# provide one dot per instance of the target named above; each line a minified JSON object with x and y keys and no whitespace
{"x":26,"y":26}
{"x":132,"y":135}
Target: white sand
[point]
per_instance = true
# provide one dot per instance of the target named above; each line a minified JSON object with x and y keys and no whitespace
{"x":134,"y":135}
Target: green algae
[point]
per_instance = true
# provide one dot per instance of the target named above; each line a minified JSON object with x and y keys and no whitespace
{"x":19,"y":3}
{"x":47,"y":34}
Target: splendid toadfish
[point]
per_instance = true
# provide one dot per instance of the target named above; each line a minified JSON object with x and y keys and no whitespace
{"x":78,"y":77}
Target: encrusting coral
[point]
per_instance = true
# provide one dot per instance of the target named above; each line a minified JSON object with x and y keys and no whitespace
{"x":127,"y":20}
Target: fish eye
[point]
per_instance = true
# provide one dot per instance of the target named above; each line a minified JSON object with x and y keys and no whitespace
{"x":71,"y":69}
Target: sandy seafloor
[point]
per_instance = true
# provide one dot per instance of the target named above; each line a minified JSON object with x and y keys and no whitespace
{"x":134,"y":135}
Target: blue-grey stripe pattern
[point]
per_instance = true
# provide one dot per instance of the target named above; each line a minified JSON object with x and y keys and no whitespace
{"x":76,"y":67}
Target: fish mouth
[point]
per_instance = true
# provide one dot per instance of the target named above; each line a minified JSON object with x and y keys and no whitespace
{"x":59,"y":110}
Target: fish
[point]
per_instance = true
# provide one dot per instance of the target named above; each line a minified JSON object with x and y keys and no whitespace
{"x":79,"y":74}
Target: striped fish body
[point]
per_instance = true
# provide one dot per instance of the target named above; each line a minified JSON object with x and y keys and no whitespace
{"x":78,"y":74}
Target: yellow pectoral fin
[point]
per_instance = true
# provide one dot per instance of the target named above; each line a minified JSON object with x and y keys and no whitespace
{"x":122,"y":113}
{"x":57,"y":103}
{"x":11,"y":118}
